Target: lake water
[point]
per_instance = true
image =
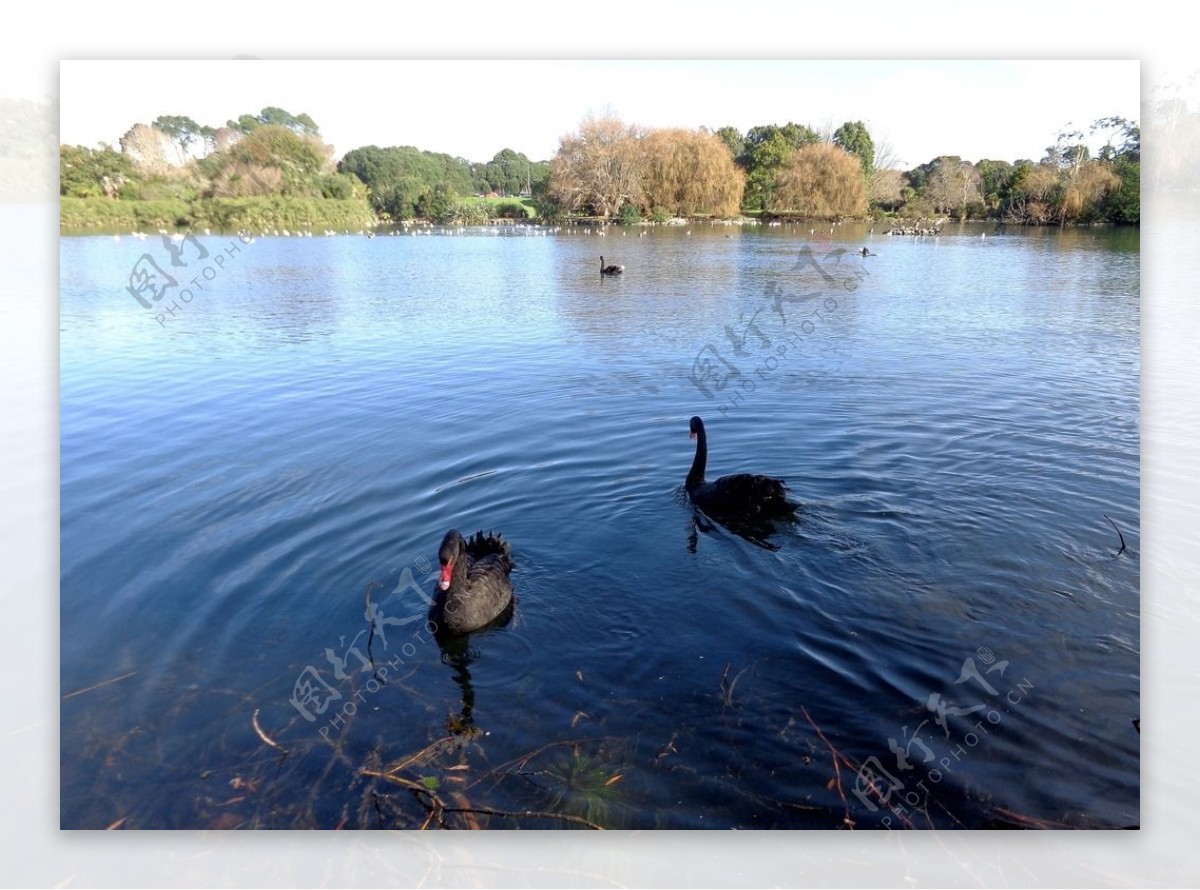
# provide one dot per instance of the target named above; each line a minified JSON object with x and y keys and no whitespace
{"x":947,"y":636}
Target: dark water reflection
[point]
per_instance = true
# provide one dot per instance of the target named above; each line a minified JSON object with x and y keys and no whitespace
{"x":956,"y":426}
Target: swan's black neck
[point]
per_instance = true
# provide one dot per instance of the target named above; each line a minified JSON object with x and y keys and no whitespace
{"x":695,"y":476}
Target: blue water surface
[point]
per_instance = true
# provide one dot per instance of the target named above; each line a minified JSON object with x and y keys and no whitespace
{"x":256,"y":473}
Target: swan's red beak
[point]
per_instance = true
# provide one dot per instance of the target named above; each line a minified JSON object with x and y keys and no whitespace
{"x":447,"y":570}
{"x":691,"y":435}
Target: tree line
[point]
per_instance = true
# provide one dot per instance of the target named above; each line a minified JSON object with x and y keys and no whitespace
{"x":612,"y":170}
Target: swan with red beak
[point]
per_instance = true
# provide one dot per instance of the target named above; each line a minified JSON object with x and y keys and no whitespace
{"x":474,"y":582}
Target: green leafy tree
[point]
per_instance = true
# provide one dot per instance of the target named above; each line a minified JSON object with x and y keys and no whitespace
{"x":1123,"y":204}
{"x":342,"y":186}
{"x":183,"y":133}
{"x":273,"y":116}
{"x":732,"y":137}
{"x":994,"y":179}
{"x":437,"y":204}
{"x":766,"y":153}
{"x":397,"y":178}
{"x":1123,"y":154}
{"x":509,"y":173}
{"x":87,"y":173}
{"x":853,"y":137}
{"x":1023,"y":195}
{"x":952,"y":185}
{"x":1124,"y":139}
{"x":271,"y":159}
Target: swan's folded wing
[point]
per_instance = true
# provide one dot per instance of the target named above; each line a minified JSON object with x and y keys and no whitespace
{"x":750,"y":494}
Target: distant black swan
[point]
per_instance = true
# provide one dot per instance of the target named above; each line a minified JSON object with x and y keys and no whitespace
{"x":475,"y":589}
{"x":610,"y":270}
{"x":741,"y":498}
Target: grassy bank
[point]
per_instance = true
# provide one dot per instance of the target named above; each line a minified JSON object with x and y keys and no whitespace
{"x":221,"y":214}
{"x":508,"y":208}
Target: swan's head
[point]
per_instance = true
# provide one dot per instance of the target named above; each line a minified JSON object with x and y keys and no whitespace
{"x":448,"y":553}
{"x":695,"y":427}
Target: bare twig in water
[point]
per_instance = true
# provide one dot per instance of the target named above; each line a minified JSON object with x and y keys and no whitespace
{"x":1029,"y":821}
{"x":837,"y":755}
{"x":370,"y":611}
{"x":423,"y":756}
{"x":518,"y":763}
{"x":464,"y":806}
{"x":436,"y":805}
{"x":371,"y":585}
{"x":727,"y":685}
{"x":98,"y":685}
{"x":262,"y":735}
{"x":1119,"y":535}
{"x":525,"y":814}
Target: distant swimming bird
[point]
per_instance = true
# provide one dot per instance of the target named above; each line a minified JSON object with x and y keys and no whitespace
{"x":610,"y":270}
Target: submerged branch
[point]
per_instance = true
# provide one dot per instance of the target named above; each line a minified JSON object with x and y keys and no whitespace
{"x":100,"y":684}
{"x":424,"y":755}
{"x":262,"y":735}
{"x":525,"y":814}
{"x":1119,"y":535}
{"x":837,"y":755}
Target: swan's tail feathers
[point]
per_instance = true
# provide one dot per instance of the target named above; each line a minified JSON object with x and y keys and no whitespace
{"x":772,"y":497}
{"x":772,"y":490}
{"x":480,"y":545}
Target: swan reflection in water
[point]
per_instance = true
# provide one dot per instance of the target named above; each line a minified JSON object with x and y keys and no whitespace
{"x":459,"y":654}
{"x":759,"y":534}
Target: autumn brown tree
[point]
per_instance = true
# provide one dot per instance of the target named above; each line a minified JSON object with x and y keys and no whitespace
{"x":1081,"y":180}
{"x":598,"y":169}
{"x":821,"y":181}
{"x":690,"y":172}
{"x":150,"y":150}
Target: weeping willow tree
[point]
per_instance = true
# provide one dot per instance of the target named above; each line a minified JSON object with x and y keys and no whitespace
{"x":597,"y":169}
{"x":689,"y":173}
{"x":820,"y":181}
{"x":1083,"y":189}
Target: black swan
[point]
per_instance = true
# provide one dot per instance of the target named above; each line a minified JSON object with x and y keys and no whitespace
{"x":743,"y":498}
{"x":474,"y":586}
{"x":610,"y":270}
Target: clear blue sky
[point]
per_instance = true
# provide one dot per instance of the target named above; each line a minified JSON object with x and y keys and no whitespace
{"x":472,"y":109}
